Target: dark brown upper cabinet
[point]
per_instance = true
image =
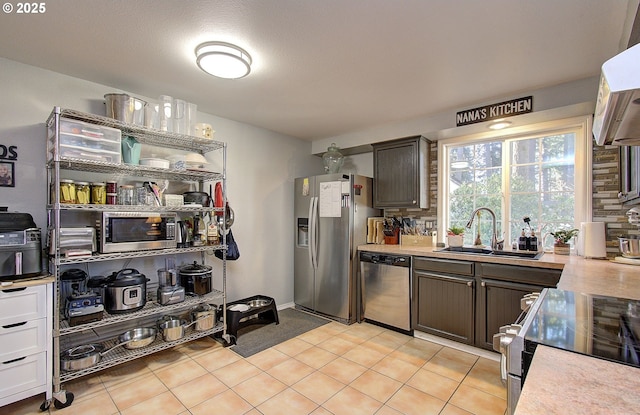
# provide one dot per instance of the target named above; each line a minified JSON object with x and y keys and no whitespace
{"x":401,"y":173}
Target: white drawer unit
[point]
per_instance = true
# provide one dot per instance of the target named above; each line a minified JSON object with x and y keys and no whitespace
{"x":22,"y":374}
{"x":23,"y":304}
{"x":22,"y":339}
{"x":26,"y":316}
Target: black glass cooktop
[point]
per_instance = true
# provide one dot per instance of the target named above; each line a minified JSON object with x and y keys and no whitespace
{"x":604,"y":327}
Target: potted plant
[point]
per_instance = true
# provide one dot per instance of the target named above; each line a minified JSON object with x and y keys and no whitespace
{"x":562,"y":238}
{"x":455,"y":235}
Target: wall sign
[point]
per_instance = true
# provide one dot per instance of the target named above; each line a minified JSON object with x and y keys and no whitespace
{"x":494,"y":111}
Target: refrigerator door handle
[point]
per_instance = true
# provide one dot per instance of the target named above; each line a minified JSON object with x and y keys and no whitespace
{"x":311,"y":233}
{"x":313,"y":218}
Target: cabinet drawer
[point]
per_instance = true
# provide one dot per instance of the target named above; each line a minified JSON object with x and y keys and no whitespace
{"x":21,"y":339}
{"x":526,"y":275}
{"x":447,"y":266}
{"x":22,"y":374}
{"x":23,"y":304}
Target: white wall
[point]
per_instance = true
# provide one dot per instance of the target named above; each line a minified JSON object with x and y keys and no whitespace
{"x":261,"y":167}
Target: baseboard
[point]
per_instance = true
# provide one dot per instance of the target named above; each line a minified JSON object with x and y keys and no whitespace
{"x":287,"y":305}
{"x":458,"y":346}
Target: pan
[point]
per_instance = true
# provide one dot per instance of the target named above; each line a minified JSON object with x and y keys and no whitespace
{"x":88,"y":355}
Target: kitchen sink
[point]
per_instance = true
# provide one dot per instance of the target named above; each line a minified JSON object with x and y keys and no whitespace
{"x":490,"y":252}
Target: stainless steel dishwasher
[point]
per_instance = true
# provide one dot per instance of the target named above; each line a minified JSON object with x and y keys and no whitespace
{"x":386,"y":289}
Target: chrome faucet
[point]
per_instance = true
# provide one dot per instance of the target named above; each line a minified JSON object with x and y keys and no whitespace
{"x":495,"y":243}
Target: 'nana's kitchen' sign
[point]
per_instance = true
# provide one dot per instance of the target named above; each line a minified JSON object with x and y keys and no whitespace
{"x":495,"y":111}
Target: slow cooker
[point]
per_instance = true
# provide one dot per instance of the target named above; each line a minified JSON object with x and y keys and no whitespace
{"x":196,"y":278}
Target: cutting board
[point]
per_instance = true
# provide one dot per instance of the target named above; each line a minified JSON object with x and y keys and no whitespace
{"x":623,"y":260}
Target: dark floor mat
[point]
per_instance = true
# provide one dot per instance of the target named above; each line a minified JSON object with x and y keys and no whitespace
{"x":258,"y":337}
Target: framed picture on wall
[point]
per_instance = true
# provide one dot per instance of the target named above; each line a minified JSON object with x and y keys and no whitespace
{"x":7,"y":174}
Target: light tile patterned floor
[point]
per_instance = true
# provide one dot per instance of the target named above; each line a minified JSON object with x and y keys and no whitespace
{"x":361,"y":369}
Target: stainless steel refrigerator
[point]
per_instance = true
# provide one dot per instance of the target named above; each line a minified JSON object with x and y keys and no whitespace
{"x":331,"y":214}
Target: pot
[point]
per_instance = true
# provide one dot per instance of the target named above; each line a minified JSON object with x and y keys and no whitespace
{"x":126,"y":291}
{"x":87,"y":355}
{"x":629,"y":246}
{"x":204,"y":316}
{"x":200,"y":198}
{"x":196,"y":278}
{"x":173,"y":327}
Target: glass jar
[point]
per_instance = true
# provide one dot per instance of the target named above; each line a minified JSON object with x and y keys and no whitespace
{"x":98,"y":193}
{"x":125,"y":195}
{"x":332,"y":159}
{"x":112,"y":198}
{"x":83,"y":193}
{"x":112,"y":187}
{"x":67,"y":191}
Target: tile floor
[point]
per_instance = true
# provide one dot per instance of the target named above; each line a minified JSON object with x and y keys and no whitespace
{"x":335,"y":369}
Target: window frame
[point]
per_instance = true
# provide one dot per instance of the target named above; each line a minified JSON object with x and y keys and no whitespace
{"x":581,"y":125}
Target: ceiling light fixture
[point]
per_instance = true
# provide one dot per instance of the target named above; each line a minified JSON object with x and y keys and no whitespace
{"x":223,"y":60}
{"x":499,"y":125}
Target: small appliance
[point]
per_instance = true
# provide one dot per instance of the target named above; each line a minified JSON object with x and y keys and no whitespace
{"x":83,"y":307}
{"x":126,"y":291}
{"x":137,"y":231}
{"x":20,"y":246}
{"x":169,"y":291}
{"x":71,"y":281}
{"x":196,"y":278}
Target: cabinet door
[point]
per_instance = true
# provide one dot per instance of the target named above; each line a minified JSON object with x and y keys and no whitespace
{"x":444,"y":306}
{"x":498,"y":305}
{"x":401,"y":173}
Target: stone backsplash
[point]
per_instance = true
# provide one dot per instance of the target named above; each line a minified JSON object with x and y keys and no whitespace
{"x":606,"y":206}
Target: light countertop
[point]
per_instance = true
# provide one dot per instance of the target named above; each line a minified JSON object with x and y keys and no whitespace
{"x":561,"y":382}
{"x":27,"y":282}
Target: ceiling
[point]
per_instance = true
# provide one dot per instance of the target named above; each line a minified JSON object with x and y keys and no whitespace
{"x":325,"y":67}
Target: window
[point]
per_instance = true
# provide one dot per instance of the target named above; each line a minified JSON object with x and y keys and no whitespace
{"x":540,"y":173}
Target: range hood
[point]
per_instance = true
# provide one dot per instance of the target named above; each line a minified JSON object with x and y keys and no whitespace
{"x":617,"y":117}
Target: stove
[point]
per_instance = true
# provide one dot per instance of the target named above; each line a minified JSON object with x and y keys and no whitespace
{"x":598,"y":326}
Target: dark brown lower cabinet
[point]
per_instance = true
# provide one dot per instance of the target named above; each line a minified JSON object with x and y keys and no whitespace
{"x":445,"y":304}
{"x":498,"y":305}
{"x":468,"y":301}
{"x":500,"y":288}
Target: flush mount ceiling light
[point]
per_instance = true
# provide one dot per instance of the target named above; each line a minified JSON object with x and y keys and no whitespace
{"x":499,"y":125}
{"x":223,"y":60}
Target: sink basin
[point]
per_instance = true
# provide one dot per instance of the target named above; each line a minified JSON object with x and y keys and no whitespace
{"x":467,"y":250}
{"x":519,"y":254}
{"x":490,"y":252}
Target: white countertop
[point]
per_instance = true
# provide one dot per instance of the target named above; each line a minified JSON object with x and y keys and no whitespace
{"x":561,"y":382}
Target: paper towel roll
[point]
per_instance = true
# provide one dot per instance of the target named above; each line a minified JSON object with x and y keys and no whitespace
{"x":594,"y":240}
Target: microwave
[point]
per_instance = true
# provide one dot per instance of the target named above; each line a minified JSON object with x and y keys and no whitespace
{"x":137,"y":231}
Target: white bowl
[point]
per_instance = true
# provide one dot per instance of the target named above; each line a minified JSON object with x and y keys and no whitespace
{"x":153,"y":162}
{"x":195,"y":159}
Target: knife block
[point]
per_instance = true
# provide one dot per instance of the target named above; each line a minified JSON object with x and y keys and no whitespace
{"x":393,"y":239}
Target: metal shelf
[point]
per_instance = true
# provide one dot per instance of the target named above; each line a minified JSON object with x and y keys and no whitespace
{"x":136,"y":254}
{"x":133,"y":208}
{"x":150,"y":308}
{"x":122,"y":355}
{"x":142,"y":134}
{"x":63,"y":334}
{"x":118,"y":170}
